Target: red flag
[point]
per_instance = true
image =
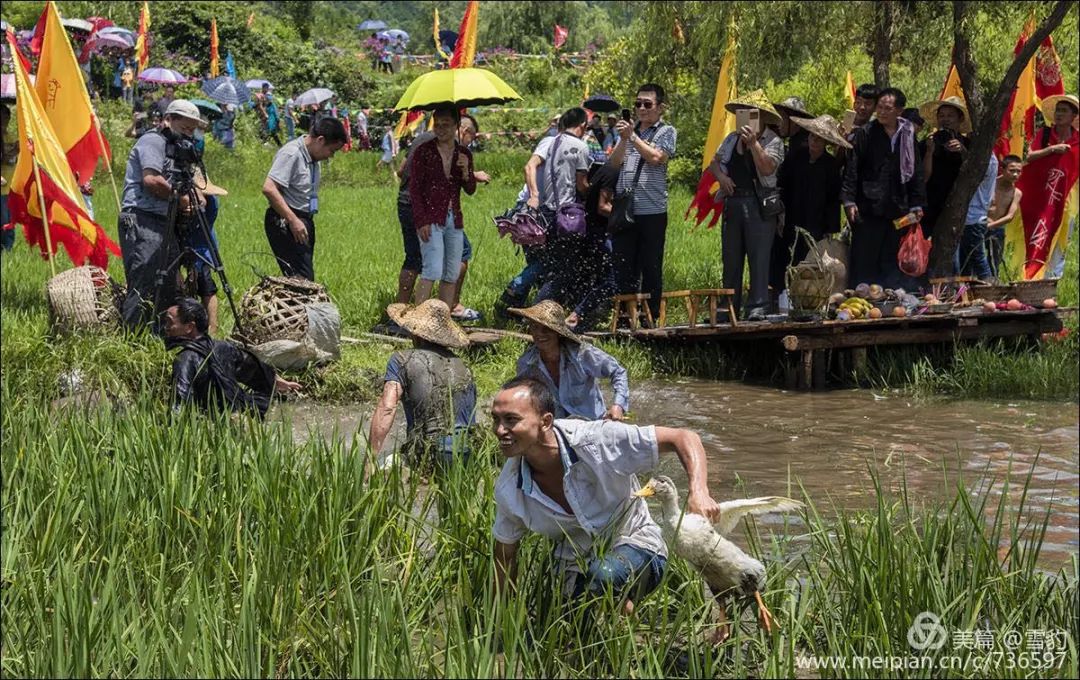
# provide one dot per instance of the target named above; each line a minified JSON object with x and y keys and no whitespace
{"x":707,"y":199}
{"x":465,"y":48}
{"x":1048,"y":202}
{"x":560,"y":36}
{"x":39,"y":33}
{"x":214,"y":68}
{"x":142,"y":41}
{"x":1047,"y":80}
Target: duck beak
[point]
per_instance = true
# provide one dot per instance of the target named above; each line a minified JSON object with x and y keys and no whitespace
{"x":645,"y":491}
{"x":764,"y":615}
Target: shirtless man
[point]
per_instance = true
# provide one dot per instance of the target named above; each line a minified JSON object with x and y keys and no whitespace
{"x":1003,"y":209}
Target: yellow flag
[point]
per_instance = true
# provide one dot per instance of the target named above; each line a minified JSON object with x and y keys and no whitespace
{"x":952,"y":88}
{"x":849,"y":90}
{"x":436,"y":38}
{"x":142,"y":42}
{"x":215,"y":69}
{"x":62,"y":90}
{"x":723,"y":122}
{"x":52,"y":184}
{"x":1025,"y":100}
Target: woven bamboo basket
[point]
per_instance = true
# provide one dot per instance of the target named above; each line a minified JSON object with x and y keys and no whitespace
{"x":809,"y":287}
{"x":1028,"y":292}
{"x":276,"y":308}
{"x":82,"y":299}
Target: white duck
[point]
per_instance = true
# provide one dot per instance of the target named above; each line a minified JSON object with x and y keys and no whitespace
{"x":724,"y":566}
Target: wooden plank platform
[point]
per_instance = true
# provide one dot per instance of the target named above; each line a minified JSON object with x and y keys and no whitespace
{"x":805,"y":350}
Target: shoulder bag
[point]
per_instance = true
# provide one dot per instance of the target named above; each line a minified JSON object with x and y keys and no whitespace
{"x":569,"y":217}
{"x":622,"y":208}
{"x":768,"y":198}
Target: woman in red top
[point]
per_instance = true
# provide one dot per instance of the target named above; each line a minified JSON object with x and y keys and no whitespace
{"x":440,"y":169}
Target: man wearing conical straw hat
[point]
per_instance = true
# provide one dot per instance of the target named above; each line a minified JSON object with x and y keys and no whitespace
{"x":944,"y":153}
{"x":570,"y":367}
{"x":434,"y":385}
{"x":746,"y":166}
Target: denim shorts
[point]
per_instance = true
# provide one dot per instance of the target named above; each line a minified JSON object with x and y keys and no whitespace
{"x":414,"y":261}
{"x":442,"y":252}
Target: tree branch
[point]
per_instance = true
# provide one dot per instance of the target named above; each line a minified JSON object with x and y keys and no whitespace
{"x":986,"y":122}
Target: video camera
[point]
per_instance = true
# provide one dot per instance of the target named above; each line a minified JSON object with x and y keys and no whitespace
{"x":181,"y":151}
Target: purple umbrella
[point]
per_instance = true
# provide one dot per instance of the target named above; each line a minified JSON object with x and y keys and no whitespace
{"x":111,"y":41}
{"x":162,"y":76}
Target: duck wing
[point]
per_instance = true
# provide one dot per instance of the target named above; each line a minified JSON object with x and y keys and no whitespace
{"x":733,"y":511}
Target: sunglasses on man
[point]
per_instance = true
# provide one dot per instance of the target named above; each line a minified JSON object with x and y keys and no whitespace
{"x":643,"y":104}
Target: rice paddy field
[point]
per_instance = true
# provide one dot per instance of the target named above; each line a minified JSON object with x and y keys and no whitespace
{"x":137,"y":543}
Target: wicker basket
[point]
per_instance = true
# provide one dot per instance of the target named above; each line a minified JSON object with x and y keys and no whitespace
{"x":276,"y":309}
{"x":1028,"y":292}
{"x":82,"y":299}
{"x":809,"y":287}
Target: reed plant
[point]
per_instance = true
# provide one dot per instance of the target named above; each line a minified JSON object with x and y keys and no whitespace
{"x":136,"y":546}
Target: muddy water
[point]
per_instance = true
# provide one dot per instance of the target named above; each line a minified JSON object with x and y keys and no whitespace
{"x":759,"y":440}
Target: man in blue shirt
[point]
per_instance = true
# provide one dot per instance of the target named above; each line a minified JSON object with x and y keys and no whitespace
{"x":970,"y":259}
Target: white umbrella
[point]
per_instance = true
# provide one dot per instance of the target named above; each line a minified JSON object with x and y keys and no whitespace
{"x":257,"y":83}
{"x":78,"y":25}
{"x":316,"y":95}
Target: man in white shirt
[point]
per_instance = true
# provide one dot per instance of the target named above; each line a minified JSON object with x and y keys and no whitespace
{"x":573,"y":480}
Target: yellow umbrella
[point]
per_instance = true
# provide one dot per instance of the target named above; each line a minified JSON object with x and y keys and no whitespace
{"x":461,"y":87}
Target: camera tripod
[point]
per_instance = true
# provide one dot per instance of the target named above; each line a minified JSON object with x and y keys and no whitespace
{"x":183,"y":184}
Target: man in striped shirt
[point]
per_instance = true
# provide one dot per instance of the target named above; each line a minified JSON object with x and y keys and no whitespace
{"x":639,"y":250}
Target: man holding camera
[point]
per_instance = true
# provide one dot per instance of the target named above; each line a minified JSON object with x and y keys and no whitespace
{"x":292,"y":188}
{"x":148,"y":240}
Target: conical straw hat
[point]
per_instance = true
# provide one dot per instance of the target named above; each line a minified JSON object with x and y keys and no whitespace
{"x":755,"y":100}
{"x":431,"y":321}
{"x":825,"y":127}
{"x":550,"y":315}
{"x":1047,"y":107}
{"x":929,"y":112}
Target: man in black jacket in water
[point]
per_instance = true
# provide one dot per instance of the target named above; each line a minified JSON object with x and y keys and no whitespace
{"x":213,"y":373}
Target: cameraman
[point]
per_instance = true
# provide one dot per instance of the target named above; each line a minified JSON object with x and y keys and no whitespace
{"x":292,"y":189}
{"x":148,"y":242}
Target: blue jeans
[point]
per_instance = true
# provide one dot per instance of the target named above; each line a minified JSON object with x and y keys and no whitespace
{"x":970,"y":257}
{"x":626,"y":570}
{"x":290,"y":128}
{"x":523,"y":283}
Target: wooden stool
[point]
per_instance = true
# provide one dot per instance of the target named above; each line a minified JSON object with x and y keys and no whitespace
{"x":630,"y":304}
{"x":694,"y":299}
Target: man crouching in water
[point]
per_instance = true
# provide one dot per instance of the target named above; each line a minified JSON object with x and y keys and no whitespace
{"x":572,"y":480}
{"x":216,"y":374}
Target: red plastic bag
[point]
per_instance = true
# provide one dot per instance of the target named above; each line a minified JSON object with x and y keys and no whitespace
{"x":914,"y":254}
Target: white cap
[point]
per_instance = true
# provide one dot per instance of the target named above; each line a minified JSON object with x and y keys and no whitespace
{"x":185,"y":109}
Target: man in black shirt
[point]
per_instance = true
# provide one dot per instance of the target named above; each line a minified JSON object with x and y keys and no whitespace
{"x":215,"y":374}
{"x":944,"y":153}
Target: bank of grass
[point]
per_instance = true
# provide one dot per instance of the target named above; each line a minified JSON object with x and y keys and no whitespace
{"x":358,"y":256}
{"x":197,"y":547}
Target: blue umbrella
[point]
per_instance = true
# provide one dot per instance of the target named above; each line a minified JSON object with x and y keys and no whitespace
{"x":371,"y":25}
{"x":226,"y":90}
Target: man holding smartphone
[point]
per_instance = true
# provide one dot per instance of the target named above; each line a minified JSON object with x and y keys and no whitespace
{"x":641,"y":155}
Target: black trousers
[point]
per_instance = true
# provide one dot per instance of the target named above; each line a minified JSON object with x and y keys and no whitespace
{"x":150,"y":252}
{"x":638,"y":253}
{"x":746,"y":237}
{"x":295,"y":259}
{"x":874,"y":246}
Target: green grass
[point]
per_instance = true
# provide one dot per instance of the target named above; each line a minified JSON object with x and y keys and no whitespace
{"x":137,"y":544}
{"x":210,"y":548}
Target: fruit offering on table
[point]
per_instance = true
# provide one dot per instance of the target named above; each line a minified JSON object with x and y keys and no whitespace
{"x":1013,"y":305}
{"x":1049,"y":303}
{"x":989,"y":307}
{"x":856,"y":308}
{"x":899,"y":311}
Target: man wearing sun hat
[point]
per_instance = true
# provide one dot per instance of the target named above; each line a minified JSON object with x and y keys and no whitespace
{"x":1054,"y":158}
{"x":147,"y":242}
{"x":810,"y":187}
{"x":570,"y":367}
{"x":791,"y":109}
{"x":746,"y":165}
{"x":434,"y":385}
{"x":944,"y":153}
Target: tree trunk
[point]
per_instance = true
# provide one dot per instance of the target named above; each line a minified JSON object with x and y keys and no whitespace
{"x":884,"y":27}
{"x":986,"y":117}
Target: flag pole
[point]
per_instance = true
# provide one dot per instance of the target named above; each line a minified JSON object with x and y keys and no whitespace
{"x":108,"y":162}
{"x":44,"y":212}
